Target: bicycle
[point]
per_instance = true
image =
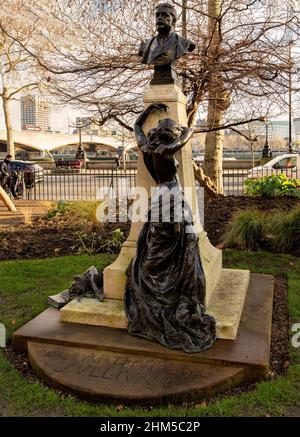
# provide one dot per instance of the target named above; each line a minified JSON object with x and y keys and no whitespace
{"x":15,"y":185}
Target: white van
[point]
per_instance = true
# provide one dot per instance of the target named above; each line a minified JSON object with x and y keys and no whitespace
{"x":289,"y":164}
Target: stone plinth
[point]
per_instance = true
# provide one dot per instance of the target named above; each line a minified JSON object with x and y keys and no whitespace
{"x":227,"y":302}
{"x":88,"y":311}
{"x":100,"y":375}
{"x":226,"y":305}
{"x":102,"y":363}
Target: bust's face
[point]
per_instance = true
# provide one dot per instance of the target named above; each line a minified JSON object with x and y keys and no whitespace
{"x":164,"y":20}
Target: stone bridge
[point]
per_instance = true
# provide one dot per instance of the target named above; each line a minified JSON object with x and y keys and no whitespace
{"x":48,"y":141}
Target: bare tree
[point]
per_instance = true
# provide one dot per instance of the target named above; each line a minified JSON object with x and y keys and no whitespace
{"x":244,"y":74}
{"x":218,"y":100}
{"x":16,"y":64}
{"x":251,"y":138}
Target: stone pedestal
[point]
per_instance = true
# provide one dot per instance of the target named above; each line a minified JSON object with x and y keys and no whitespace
{"x":103,"y":363}
{"x":114,"y":275}
{"x":226,"y":305}
{"x":225,"y":289}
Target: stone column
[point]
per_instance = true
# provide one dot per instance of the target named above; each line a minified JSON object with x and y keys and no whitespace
{"x":114,"y":274}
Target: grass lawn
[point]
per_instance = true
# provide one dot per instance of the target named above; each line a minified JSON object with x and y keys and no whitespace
{"x":24,"y":286}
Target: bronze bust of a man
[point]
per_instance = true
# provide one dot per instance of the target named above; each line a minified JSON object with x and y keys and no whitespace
{"x":165,"y":47}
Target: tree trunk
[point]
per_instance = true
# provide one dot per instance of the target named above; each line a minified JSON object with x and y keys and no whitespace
{"x":218,"y":101}
{"x":9,"y":131}
{"x":213,"y":157}
{"x":204,"y":181}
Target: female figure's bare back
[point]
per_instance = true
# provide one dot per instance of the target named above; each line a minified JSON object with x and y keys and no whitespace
{"x":161,"y":144}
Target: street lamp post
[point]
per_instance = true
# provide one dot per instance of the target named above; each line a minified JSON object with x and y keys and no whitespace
{"x":252,"y":141}
{"x":79,"y":131}
{"x":267,"y":153}
{"x":80,"y":125}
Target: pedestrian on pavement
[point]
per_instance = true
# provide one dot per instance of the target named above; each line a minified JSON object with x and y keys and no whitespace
{"x":5,"y":170}
{"x":117,"y":161}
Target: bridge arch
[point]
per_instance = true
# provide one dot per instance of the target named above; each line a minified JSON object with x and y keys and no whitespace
{"x":47,"y":142}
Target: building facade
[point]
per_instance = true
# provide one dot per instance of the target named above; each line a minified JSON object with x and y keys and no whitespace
{"x":35,"y":113}
{"x":87,"y":125}
{"x":297,"y":128}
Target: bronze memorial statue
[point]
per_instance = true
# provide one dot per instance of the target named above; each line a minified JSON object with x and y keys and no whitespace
{"x":165,"y":288}
{"x":167,"y":46}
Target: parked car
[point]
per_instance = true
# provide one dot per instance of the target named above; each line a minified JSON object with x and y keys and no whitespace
{"x":289,"y":164}
{"x":199,"y":159}
{"x":74,"y":164}
{"x":32,"y":173}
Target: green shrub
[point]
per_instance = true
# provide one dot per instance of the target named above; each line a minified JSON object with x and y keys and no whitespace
{"x":272,"y":186}
{"x":76,"y":211}
{"x":59,"y":209}
{"x":114,"y":243}
{"x":93,"y":242}
{"x":285,"y":231}
{"x":246,"y":231}
{"x":253,"y":229}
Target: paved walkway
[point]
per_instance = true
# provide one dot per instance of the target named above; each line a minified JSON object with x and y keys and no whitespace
{"x":26,"y":210}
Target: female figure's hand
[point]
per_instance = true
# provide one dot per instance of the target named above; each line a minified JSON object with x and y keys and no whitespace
{"x":158,"y":107}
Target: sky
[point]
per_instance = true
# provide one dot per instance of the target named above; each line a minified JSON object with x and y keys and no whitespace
{"x":60,"y":119}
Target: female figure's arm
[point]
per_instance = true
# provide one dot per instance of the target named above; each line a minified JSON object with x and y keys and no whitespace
{"x":140,"y":136}
{"x":176,"y":144}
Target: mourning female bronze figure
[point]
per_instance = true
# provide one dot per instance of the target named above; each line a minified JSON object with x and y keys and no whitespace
{"x":165,"y":288}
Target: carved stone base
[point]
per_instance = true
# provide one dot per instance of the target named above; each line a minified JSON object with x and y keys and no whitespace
{"x":115,"y":274}
{"x":102,"y":363}
{"x":89,"y":311}
{"x":127,"y":378}
{"x":226,"y":305}
{"x":227,"y":302}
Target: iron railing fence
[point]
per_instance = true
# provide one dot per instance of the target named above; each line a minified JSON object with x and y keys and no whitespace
{"x":89,"y":184}
{"x":92,"y":184}
{"x":234,"y":179}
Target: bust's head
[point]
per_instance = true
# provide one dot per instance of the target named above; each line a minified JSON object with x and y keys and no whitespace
{"x":165,"y":17}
